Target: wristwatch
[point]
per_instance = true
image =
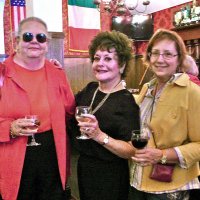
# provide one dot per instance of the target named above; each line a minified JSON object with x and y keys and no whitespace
{"x":105,"y":140}
{"x":163,"y":160}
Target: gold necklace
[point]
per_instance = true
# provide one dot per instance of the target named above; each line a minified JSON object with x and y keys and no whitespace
{"x":102,"y":101}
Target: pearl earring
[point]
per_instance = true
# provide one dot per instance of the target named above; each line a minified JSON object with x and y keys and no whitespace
{"x":121,"y":70}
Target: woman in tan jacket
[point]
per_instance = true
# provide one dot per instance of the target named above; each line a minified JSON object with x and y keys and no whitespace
{"x":170,"y":111}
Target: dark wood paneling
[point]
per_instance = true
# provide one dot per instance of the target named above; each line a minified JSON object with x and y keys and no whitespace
{"x":79,"y":72}
{"x":56,"y":47}
{"x":138,"y":74}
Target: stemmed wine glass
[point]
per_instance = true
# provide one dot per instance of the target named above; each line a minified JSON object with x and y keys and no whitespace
{"x":79,"y":114}
{"x":36,"y":121}
{"x":139,"y":138}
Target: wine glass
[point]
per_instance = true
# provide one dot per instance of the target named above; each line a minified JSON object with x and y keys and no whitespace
{"x":36,"y":122}
{"x":139,"y":138}
{"x":79,"y":114}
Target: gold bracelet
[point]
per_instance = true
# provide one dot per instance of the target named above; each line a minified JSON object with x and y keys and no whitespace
{"x":12,"y":135}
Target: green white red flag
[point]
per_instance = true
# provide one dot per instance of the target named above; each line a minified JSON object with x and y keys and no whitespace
{"x":83,"y":24}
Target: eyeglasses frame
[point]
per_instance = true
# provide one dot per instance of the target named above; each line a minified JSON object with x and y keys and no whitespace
{"x":161,"y":54}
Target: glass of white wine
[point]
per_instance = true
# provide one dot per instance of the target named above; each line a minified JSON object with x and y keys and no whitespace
{"x":36,"y":122}
{"x":79,"y":114}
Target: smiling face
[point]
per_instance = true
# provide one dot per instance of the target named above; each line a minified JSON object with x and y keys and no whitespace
{"x":32,"y":49}
{"x":105,"y":66}
{"x":164,"y":68}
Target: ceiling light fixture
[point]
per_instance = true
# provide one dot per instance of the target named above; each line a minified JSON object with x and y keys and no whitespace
{"x":120,"y":7}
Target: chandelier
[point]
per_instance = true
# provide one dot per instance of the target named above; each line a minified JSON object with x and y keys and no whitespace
{"x":120,"y":7}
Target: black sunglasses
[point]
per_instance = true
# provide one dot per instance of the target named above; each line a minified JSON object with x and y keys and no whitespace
{"x":40,"y":37}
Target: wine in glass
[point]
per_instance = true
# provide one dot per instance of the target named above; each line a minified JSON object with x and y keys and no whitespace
{"x":139,"y":138}
{"x":34,"y":127}
{"x":79,"y":114}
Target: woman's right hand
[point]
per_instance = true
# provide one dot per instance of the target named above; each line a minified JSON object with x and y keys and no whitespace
{"x":91,"y":127}
{"x":147,"y":156}
{"x":19,"y":126}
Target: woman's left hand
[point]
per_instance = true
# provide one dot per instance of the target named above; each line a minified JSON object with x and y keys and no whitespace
{"x":147,"y":156}
{"x":91,"y":127}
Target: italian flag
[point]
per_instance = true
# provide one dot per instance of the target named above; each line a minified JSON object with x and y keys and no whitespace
{"x":83,"y":24}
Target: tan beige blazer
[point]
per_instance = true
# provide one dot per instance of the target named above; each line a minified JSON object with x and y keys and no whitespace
{"x":176,"y":123}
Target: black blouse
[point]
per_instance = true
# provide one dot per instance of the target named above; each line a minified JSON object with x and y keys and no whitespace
{"x":117,"y":117}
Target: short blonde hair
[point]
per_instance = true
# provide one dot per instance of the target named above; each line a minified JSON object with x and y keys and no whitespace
{"x":31,"y":19}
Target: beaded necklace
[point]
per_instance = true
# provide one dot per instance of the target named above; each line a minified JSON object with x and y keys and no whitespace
{"x":103,"y":100}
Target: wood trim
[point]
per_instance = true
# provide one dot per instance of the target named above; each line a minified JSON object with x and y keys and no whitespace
{"x":186,"y":27}
{"x":189,"y":32}
{"x":60,"y":35}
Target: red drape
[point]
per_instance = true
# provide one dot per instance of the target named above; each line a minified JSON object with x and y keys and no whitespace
{"x":8,"y":32}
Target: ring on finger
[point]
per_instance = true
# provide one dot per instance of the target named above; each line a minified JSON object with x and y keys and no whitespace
{"x":20,"y":133}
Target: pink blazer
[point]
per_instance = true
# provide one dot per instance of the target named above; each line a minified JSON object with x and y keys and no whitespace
{"x":14,"y":103}
{"x":194,"y":79}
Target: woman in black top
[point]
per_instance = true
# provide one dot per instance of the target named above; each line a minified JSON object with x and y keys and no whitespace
{"x":103,"y":165}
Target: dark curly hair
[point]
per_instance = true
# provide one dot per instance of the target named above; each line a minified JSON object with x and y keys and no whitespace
{"x":113,"y":39}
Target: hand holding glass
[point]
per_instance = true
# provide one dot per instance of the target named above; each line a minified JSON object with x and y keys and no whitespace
{"x":34,"y":128}
{"x":139,"y":138}
{"x":79,"y":114}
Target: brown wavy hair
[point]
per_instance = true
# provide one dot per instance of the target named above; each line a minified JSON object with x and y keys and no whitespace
{"x":162,"y":34}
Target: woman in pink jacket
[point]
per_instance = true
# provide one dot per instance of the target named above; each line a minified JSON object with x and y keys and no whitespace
{"x":191,"y":68}
{"x":30,"y":85}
